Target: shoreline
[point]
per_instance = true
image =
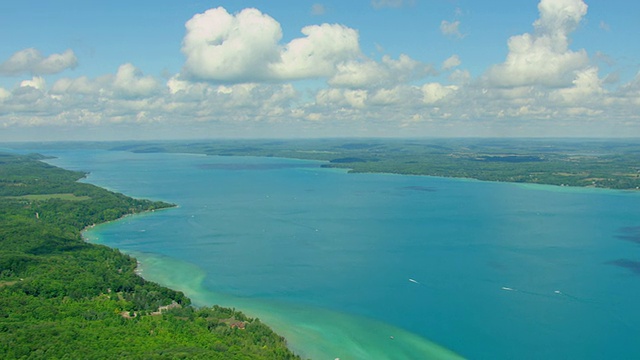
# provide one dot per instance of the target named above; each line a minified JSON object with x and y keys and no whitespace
{"x":350,"y":170}
{"x":139,"y":270}
{"x":142,"y":213}
{"x":310,"y":332}
{"x":328,"y":165}
{"x":333,"y":334}
{"x":595,"y":162}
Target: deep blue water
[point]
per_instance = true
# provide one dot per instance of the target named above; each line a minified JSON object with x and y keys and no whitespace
{"x":487,"y":270}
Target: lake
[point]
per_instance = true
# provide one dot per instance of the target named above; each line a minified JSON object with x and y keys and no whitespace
{"x":382,"y":266}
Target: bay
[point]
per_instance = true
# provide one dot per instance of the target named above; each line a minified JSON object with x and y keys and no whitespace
{"x":381,"y":266}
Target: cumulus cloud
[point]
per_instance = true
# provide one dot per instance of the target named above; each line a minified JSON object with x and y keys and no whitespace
{"x":37,"y":82}
{"x":544,"y":57}
{"x":242,"y":48}
{"x":98,"y":101}
{"x":130,"y":82}
{"x":31,"y":61}
{"x":82,"y":86}
{"x":334,"y":97}
{"x":586,"y":86}
{"x":369,"y":73}
{"x":334,"y":102}
{"x":385,"y":103}
{"x":451,"y":62}
{"x":245,"y":48}
{"x":235,"y":48}
{"x":238,"y":71}
{"x":128,"y":96}
{"x":317,"y":55}
{"x":451,"y":28}
{"x":127,"y":83}
{"x":434,"y":92}
{"x":560,"y":17}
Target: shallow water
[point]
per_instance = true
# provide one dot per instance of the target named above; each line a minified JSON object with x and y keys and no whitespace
{"x":370,"y":266}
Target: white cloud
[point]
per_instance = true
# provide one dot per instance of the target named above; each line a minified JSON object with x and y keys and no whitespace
{"x":586,"y":87}
{"x":237,"y":74}
{"x":387,"y":97}
{"x":368,"y":73}
{"x":356,"y":98}
{"x":405,"y":97}
{"x":245,"y":48}
{"x":223,"y":47}
{"x":31,"y":61}
{"x":358,"y":74}
{"x":434,"y":92}
{"x":334,"y":110}
{"x":330,"y":97}
{"x":560,"y":16}
{"x":336,"y":100}
{"x":538,"y":61}
{"x":127,"y":83}
{"x":130,"y":82}
{"x":176,"y":85}
{"x":451,"y":62}
{"x":316,"y":55}
{"x":544,"y":58}
{"x":82,"y":85}
{"x":451,"y":28}
{"x":37,"y":82}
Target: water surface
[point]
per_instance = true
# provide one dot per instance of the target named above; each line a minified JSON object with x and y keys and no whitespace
{"x":380,"y":266}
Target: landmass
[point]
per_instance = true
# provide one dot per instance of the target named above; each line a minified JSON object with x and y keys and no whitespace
{"x":61,"y":297}
{"x":601,"y":163}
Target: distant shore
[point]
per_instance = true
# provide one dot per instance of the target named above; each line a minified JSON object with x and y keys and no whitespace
{"x":597,"y":163}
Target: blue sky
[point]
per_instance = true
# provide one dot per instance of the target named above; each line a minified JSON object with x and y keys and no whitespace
{"x":209,"y":69}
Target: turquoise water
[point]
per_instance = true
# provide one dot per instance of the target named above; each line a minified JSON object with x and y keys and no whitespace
{"x":377,"y":266}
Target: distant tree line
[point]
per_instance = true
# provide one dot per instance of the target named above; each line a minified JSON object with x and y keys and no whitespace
{"x":599,"y":163}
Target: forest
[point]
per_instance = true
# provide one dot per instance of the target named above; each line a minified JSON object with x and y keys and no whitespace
{"x":64,"y":298}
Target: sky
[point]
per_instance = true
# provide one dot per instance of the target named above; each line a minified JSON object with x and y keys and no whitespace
{"x":181,"y":69}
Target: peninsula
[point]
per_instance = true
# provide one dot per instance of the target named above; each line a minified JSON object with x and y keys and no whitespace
{"x":602,"y":163}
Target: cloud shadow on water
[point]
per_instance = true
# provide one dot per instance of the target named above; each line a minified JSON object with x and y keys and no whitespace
{"x":630,"y":233}
{"x":632,"y":265}
{"x":420,"y":188}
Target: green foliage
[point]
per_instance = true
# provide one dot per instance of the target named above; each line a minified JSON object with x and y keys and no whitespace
{"x":61,"y":297}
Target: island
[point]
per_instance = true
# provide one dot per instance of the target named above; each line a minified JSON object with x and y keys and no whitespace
{"x":61,"y":297}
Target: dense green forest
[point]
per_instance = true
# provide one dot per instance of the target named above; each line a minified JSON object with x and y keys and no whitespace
{"x":63,"y":298}
{"x":603,"y":163}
